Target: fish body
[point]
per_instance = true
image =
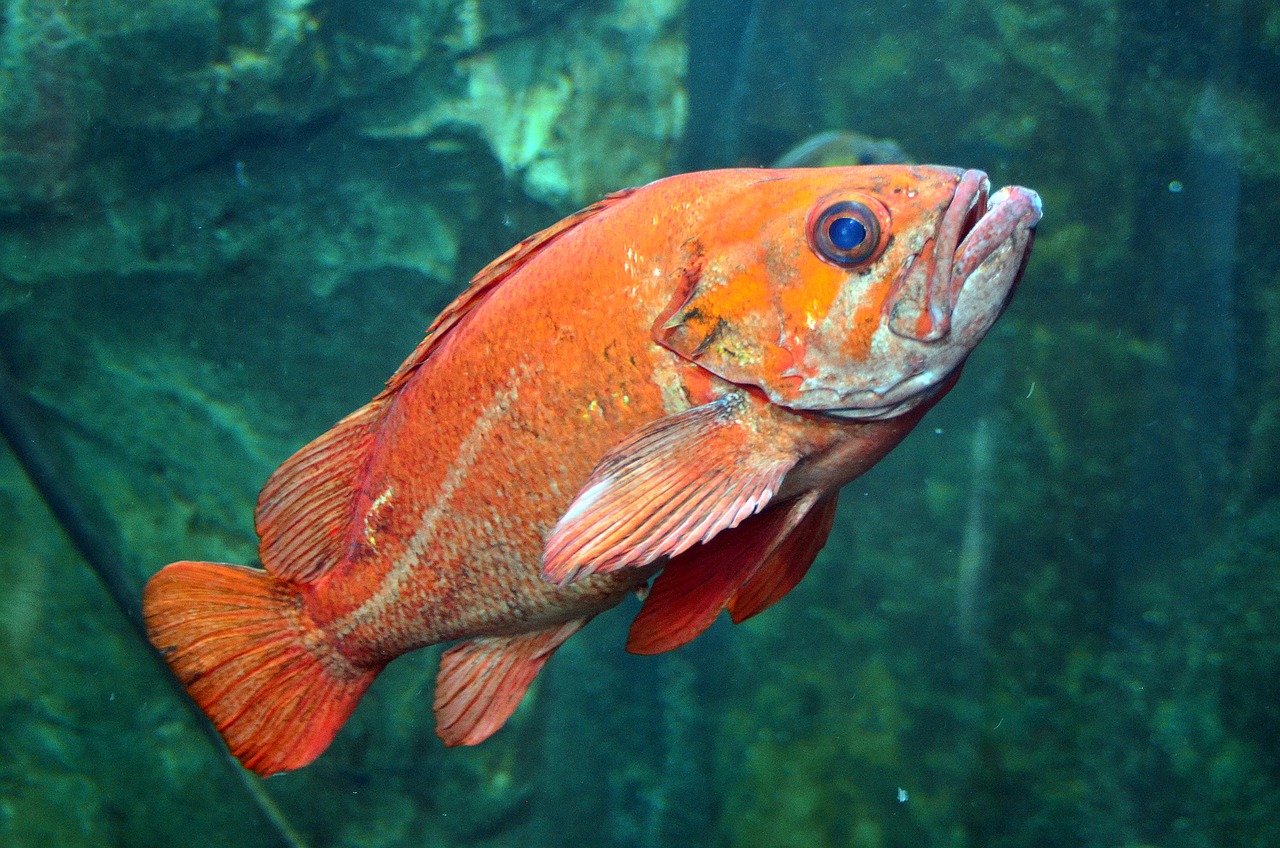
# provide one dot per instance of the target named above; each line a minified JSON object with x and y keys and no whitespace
{"x":674,"y":382}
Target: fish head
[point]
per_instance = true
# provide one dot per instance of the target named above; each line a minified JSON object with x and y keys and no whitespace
{"x":853,"y":292}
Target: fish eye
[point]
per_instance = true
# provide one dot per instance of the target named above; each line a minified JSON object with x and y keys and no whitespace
{"x":846,"y":233}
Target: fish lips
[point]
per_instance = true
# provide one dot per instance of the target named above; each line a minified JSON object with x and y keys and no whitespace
{"x":980,"y":251}
{"x":989,"y":262}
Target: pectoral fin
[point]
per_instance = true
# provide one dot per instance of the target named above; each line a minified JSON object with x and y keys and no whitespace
{"x":670,"y":485}
{"x":694,"y":587}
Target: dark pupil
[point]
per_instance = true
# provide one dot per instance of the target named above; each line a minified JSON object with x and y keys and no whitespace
{"x":847,"y":233}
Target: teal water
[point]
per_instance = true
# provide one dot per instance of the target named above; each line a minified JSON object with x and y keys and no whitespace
{"x":1051,"y":617}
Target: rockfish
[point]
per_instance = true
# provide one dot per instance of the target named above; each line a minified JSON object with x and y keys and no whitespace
{"x":673,"y":383}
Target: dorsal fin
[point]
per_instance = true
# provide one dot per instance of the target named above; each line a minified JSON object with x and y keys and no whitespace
{"x":488,"y":278}
{"x":307,"y":506}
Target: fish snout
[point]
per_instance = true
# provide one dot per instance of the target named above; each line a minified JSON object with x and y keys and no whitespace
{"x":989,"y":262}
{"x":976,"y":226}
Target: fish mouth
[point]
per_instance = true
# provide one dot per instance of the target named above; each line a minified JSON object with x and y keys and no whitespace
{"x":975,"y":225}
{"x":998,"y":221}
{"x":968,"y":209}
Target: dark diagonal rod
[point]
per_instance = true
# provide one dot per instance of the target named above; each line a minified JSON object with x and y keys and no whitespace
{"x":54,"y":485}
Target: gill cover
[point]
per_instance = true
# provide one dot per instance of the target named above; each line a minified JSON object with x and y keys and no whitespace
{"x":747,"y":311}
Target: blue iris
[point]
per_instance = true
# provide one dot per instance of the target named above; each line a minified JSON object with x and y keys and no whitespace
{"x":846,"y":233}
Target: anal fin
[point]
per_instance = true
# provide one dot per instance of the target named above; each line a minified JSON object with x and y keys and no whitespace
{"x":481,"y":680}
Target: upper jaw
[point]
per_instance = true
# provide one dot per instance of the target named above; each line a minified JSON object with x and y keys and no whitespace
{"x":1011,"y":211}
{"x":988,"y":263}
{"x":924,"y":293}
{"x":974,"y":225}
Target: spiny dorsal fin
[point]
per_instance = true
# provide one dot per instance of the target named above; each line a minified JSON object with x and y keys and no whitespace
{"x":488,"y":279}
{"x":306,"y":508}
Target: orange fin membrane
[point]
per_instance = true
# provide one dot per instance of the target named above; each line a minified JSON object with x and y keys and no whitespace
{"x":305,"y":510}
{"x":234,"y":638}
{"x":670,"y":485}
{"x":482,"y":680}
{"x":693,"y":588}
{"x":787,"y":565}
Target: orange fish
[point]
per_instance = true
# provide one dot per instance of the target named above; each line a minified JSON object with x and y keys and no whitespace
{"x":674,"y":382}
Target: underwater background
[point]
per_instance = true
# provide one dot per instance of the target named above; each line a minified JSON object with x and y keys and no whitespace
{"x":1050,"y":618}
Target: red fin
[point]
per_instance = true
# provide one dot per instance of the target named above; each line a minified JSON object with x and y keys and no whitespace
{"x":670,"y":485}
{"x":307,"y":508}
{"x":482,"y":680}
{"x":488,"y":278}
{"x":693,"y":588}
{"x":787,"y":565}
{"x":235,"y":638}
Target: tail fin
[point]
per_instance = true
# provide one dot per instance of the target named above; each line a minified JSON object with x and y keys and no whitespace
{"x":238,"y":641}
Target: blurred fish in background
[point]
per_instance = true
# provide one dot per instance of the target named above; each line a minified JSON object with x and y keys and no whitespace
{"x":835,"y":148}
